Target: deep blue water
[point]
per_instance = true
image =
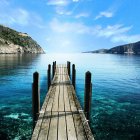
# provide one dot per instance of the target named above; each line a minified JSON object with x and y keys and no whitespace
{"x":115,"y":113}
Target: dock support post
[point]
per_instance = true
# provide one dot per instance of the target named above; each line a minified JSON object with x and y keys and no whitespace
{"x":88,"y":94}
{"x":55,"y":64}
{"x":68,"y":67}
{"x":49,"y":76}
{"x":53,"y":69}
{"x":35,"y":97}
{"x":73,"y":75}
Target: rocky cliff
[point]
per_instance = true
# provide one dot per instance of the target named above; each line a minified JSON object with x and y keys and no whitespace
{"x":98,"y":51}
{"x":12,"y":41}
{"x":132,"y":48}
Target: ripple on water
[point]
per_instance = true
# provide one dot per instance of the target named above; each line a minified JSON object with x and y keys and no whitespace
{"x":13,"y":116}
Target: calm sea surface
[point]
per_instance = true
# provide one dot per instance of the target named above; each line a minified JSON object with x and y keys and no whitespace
{"x":115,"y":111}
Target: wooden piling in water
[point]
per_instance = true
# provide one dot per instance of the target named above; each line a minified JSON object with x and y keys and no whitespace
{"x":49,"y":76}
{"x":88,"y":95}
{"x":53,"y":69}
{"x":35,"y":97}
{"x":68,"y":67}
{"x":55,"y":64}
{"x":73,"y":75}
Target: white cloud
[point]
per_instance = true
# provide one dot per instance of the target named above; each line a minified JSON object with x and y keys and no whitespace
{"x":12,"y":15}
{"x":118,"y":33}
{"x":4,"y":2}
{"x":75,"y":0}
{"x":58,"y":2}
{"x":114,"y":33}
{"x":64,"y":7}
{"x":21,"y":17}
{"x":38,"y":21}
{"x":62,"y":11}
{"x":126,"y":38}
{"x":65,"y":43}
{"x":67,"y":27}
{"x":48,"y":39}
{"x":97,"y":30}
{"x":16,"y":16}
{"x":110,"y":31}
{"x":82,"y":15}
{"x":107,"y":14}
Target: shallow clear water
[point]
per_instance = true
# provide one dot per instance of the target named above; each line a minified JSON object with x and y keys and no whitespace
{"x":115,"y":113}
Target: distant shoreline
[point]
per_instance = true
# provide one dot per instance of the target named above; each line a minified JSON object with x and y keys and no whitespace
{"x":132,"y":48}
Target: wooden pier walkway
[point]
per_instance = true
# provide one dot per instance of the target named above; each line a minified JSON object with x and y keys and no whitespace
{"x":61,"y":116}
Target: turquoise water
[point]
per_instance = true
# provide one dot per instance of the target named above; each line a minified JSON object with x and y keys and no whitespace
{"x":115,"y":113}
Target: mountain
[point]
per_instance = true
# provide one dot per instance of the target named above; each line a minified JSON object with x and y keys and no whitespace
{"x":12,"y":41}
{"x":132,"y":48}
{"x":98,"y":51}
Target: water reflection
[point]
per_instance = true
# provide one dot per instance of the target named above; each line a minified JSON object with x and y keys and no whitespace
{"x":10,"y":63}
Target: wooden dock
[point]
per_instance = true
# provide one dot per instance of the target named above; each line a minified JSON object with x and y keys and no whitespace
{"x":61,"y":116}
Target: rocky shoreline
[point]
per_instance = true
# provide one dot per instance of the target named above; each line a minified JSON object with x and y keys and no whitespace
{"x":132,"y":48}
{"x":12,"y":42}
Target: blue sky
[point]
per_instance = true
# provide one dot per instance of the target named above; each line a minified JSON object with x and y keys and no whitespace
{"x":74,"y":25}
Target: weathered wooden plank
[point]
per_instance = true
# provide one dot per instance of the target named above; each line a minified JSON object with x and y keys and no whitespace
{"x":57,"y":69}
{"x":72,"y":102}
{"x":65,"y":70}
{"x":71,"y":134}
{"x":53,"y":126}
{"x":66,"y":99}
{"x":69,"y":118}
{"x":59,"y":75}
{"x":42,"y":112}
{"x":45,"y":126}
{"x":44,"y":130}
{"x":61,"y":99}
{"x":62,"y":134}
{"x":51,"y":99}
{"x":70,"y":127}
{"x":76,"y":117}
{"x":61,"y":93}
{"x":56,"y":99}
{"x":87,"y":130}
{"x":53,"y":130}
